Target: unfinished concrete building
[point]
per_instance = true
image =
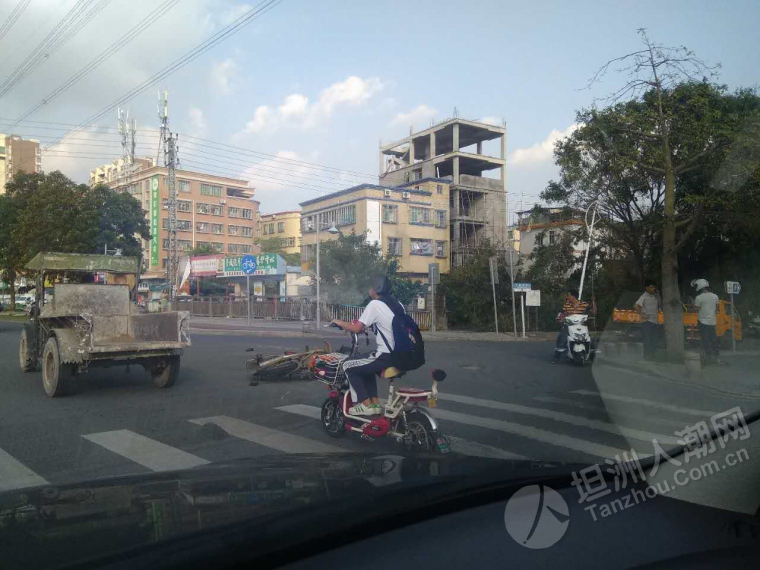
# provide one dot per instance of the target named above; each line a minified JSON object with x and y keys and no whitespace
{"x":454,"y":150}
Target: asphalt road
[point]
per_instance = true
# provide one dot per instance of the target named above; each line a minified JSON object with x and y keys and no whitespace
{"x":500,"y":400}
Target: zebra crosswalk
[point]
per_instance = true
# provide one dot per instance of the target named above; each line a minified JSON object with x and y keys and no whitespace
{"x":581,"y":426}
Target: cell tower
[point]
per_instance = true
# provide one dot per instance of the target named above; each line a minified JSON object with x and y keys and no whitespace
{"x":127,"y":130}
{"x":168,"y":142}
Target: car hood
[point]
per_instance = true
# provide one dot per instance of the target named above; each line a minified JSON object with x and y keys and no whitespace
{"x":63,"y":524}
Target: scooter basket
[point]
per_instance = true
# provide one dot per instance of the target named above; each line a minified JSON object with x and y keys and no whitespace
{"x":328,"y":369}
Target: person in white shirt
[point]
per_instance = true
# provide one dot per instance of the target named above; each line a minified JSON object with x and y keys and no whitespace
{"x":707,"y":304}
{"x":648,"y":306}
{"x":362,"y":370}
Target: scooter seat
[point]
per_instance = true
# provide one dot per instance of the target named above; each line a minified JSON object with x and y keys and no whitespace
{"x":413,"y":392}
{"x":390,"y":372}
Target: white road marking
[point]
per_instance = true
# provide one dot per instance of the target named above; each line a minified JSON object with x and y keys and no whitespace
{"x":536,"y":434}
{"x":670,"y":407}
{"x":149,"y":453}
{"x":16,"y":475}
{"x":459,"y":445}
{"x":267,"y":437}
{"x":599,"y":425}
{"x":603,"y":409}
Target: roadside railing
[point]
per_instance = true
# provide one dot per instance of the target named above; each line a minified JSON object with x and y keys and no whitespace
{"x":290,"y":310}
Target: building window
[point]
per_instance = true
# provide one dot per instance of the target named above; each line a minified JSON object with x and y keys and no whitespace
{"x":233,"y":212}
{"x":440,"y":218}
{"x":440,"y":249}
{"x":217,"y":229}
{"x":308,"y":252}
{"x":390,"y":214}
{"x":418,"y":175}
{"x":280,"y":227}
{"x":394,"y":246}
{"x":291,"y":242}
{"x":238,"y":248}
{"x":184,"y":186}
{"x":421,"y":247}
{"x":217,"y":210}
{"x":247,"y":232}
{"x":307,"y":224}
{"x":552,"y":237}
{"x":166,"y":181}
{"x":439,"y":188}
{"x":202,"y":208}
{"x":215,"y":246}
{"x":540,"y":239}
{"x":419,"y":216}
{"x":182,"y":244}
{"x":211,"y":190}
{"x":165,"y":203}
{"x":232,"y":230}
{"x":184,"y":206}
{"x":182,"y":225}
{"x":201,"y":227}
{"x":247,"y":214}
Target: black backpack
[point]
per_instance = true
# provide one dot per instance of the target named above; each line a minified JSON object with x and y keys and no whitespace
{"x":409,"y":348}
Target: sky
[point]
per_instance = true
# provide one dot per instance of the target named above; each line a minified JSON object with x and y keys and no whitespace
{"x":298,"y":101}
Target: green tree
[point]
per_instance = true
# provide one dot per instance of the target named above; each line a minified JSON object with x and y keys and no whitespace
{"x":666,"y":125}
{"x":348,"y":264}
{"x":49,"y":212}
{"x":202,"y":249}
{"x":469,"y":296}
{"x":277,"y":245}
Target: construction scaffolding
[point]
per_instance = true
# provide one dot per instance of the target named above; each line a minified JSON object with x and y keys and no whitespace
{"x":454,"y":150}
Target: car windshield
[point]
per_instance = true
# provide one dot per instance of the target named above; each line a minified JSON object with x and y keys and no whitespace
{"x":253,"y":251}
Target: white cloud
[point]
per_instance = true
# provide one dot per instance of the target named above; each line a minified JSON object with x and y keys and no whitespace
{"x":491,"y":120}
{"x":294,"y":105}
{"x":417,"y":115}
{"x":263,"y":119}
{"x":297,"y":111}
{"x":222,"y":73}
{"x":540,"y":152}
{"x":197,"y":122}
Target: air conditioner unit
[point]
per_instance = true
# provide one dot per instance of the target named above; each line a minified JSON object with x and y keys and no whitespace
{"x":222,"y":201}
{"x":405,"y":195}
{"x":387,"y":192}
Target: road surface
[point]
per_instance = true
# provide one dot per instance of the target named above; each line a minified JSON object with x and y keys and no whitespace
{"x":500,"y":400}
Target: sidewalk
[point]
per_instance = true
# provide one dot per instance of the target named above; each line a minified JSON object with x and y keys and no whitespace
{"x":298,"y":329}
{"x":738,"y":375}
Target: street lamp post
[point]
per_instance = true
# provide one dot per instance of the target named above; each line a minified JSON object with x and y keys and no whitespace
{"x":334,"y":231}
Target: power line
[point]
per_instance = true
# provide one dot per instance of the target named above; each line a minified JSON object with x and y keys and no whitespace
{"x":17,"y":11}
{"x":207,"y":143}
{"x":224,"y":33}
{"x":145,"y":23}
{"x":67,"y":28}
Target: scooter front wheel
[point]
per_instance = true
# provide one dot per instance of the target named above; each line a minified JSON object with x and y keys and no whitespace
{"x":332,"y":418}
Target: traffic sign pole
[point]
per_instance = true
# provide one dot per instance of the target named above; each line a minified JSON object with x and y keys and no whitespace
{"x":248,"y":296}
{"x":733,"y":321}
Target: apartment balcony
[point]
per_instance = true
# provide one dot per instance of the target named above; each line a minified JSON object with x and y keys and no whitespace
{"x":472,"y":215}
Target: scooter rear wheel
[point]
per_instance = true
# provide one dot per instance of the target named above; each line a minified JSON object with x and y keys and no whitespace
{"x":332,"y":418}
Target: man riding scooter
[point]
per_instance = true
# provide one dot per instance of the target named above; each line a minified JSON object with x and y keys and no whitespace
{"x":573,"y":306}
{"x":362,"y":370}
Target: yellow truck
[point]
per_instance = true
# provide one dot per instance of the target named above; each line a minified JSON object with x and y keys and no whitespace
{"x":723,"y":322}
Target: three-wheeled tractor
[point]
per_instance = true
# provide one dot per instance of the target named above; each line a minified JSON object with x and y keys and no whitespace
{"x":86,"y":324}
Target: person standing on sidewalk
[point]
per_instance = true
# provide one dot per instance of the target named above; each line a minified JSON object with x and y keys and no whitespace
{"x":648,"y":306}
{"x":707,"y":304}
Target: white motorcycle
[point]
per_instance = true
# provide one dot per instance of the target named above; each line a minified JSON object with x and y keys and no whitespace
{"x":580,"y":348}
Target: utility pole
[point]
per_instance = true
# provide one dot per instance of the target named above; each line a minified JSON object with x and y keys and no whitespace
{"x":168,"y":142}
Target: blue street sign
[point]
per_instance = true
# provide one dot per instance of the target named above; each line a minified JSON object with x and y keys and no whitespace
{"x":248,"y":264}
{"x":519,"y":287}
